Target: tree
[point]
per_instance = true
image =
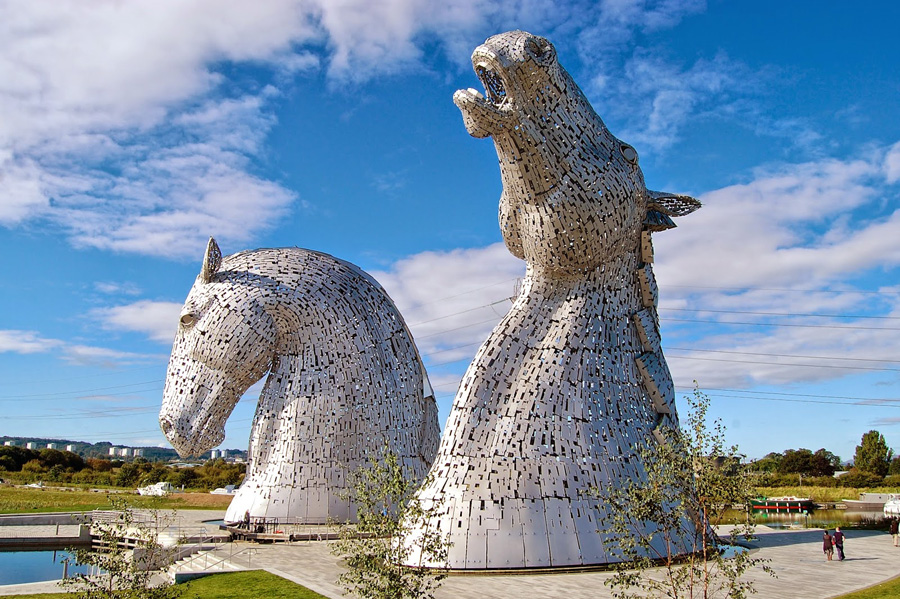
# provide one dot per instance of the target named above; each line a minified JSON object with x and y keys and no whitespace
{"x":128,"y":475}
{"x":665,"y":519}
{"x":824,"y":463}
{"x":377,"y":546}
{"x":895,"y":466}
{"x":872,"y":454}
{"x":796,"y":461}
{"x":767,"y":463}
{"x":120,"y":573}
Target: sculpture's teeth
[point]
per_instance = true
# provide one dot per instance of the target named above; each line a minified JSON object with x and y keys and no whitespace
{"x":476,"y":93}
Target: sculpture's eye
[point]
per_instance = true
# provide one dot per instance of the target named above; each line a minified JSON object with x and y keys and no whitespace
{"x":630,"y":154}
{"x":539,"y":48}
{"x":188,"y":320}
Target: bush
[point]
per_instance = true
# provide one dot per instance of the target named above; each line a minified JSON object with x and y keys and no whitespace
{"x":857,"y":478}
{"x":892,"y":480}
{"x":99,"y":465}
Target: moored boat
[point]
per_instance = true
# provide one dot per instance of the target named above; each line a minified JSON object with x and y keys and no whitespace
{"x":783,"y":504}
{"x":869,"y":501}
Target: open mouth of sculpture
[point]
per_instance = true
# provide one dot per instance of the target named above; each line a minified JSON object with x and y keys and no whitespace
{"x":494,"y":87}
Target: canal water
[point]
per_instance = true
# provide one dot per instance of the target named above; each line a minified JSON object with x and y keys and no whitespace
{"x":17,"y":567}
{"x":812,"y":519}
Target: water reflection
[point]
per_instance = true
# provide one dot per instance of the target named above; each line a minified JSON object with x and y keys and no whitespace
{"x":812,"y":519}
{"x":34,"y":566}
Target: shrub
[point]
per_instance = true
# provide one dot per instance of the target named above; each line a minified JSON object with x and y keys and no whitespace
{"x":858,"y":478}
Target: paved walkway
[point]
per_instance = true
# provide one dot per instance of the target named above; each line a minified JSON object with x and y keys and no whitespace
{"x":795,"y":555}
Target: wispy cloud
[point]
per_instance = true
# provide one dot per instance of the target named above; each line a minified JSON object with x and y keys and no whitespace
{"x":452,"y":300}
{"x":157,"y":320}
{"x":30,"y":342}
{"x":26,"y":342}
{"x":761,"y":259}
{"x":116,"y":288}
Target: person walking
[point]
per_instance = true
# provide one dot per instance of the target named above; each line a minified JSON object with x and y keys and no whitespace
{"x":895,"y":531}
{"x":827,"y":545}
{"x":838,"y":538}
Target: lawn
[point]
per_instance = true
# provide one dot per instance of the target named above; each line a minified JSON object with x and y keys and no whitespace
{"x":885,"y":590}
{"x":19,"y":500}
{"x":233,"y":585}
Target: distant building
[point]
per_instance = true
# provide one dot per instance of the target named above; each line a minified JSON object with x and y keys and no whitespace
{"x":9,"y":443}
{"x":113,"y":451}
{"x":137,"y":452}
{"x":70,"y":448}
{"x":31,"y":445}
{"x":52,"y":446}
{"x":125,"y":452}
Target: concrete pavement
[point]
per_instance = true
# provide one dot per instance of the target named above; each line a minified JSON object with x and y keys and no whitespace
{"x":795,"y":555}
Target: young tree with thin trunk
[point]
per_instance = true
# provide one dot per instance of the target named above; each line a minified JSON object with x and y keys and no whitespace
{"x":691,"y":480}
{"x":122,"y":564}
{"x":378,"y":544}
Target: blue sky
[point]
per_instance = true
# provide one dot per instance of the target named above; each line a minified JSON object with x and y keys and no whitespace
{"x":131,"y":132}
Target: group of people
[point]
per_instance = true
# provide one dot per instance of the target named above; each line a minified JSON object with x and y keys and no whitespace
{"x":832,"y":542}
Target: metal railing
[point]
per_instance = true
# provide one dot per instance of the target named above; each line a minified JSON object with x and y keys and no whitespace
{"x":189,"y":563}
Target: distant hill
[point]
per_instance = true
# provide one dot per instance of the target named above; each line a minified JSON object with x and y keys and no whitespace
{"x":101,"y":450}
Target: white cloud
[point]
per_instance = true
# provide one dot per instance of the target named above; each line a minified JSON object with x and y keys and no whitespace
{"x":452,"y":300}
{"x":892,"y":164}
{"x":115,"y":129}
{"x":26,"y":342}
{"x":115,"y":288}
{"x":158,"y":320}
{"x":787,"y":227}
{"x":30,"y":342}
{"x":791,"y":241}
{"x":655,"y":98}
{"x":85,"y":355}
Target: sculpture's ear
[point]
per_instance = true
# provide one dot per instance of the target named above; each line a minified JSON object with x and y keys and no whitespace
{"x":662,"y":205}
{"x":211,"y":261}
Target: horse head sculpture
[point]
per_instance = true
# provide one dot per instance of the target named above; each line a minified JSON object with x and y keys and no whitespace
{"x":560,"y":397}
{"x":345,"y":380}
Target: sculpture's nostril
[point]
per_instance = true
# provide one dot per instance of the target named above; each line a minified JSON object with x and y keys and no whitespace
{"x":166,"y":425}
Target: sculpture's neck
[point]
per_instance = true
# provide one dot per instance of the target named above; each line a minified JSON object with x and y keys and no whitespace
{"x":615,"y":280}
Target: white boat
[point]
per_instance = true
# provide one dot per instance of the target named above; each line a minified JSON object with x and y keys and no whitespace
{"x":226,"y":490}
{"x":892,"y":507}
{"x":157,"y":490}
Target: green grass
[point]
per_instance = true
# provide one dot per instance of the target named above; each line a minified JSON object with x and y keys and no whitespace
{"x":885,"y":590}
{"x":17,"y":500}
{"x":246,"y":585}
{"x":233,"y":585}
